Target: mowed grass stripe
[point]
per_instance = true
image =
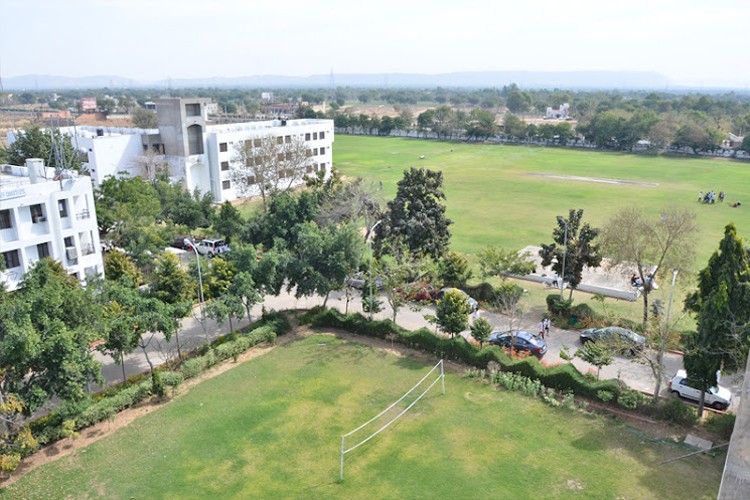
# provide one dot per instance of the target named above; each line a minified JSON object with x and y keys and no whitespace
{"x":271,"y":428}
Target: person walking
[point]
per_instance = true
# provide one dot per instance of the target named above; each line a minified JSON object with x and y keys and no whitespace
{"x":546,"y":323}
{"x":700,"y":196}
{"x":541,"y":328}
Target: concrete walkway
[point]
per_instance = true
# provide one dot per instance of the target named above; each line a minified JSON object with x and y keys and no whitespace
{"x":635,"y":375}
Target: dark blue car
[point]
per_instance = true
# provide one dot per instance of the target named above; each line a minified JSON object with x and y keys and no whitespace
{"x":520,"y":340}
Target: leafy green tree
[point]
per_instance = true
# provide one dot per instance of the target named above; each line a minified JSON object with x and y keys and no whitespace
{"x":323,"y":259}
{"x":228,"y":222}
{"x":507,"y":299}
{"x":282,"y":220}
{"x":481,"y":330}
{"x":417,"y":215}
{"x":217,"y":277}
{"x":226,"y":307}
{"x":144,"y":118}
{"x":34,"y":142}
{"x":453,"y":270}
{"x":496,"y":261}
{"x":395,"y":275}
{"x":118,"y":266}
{"x":181,"y":207}
{"x":513,"y":126}
{"x":480,"y":124}
{"x":650,"y":244}
{"x":171,"y":284}
{"x":746,"y":144}
{"x":577,"y":248}
{"x":722,"y":308}
{"x":698,"y":137}
{"x":518,"y":102}
{"x":452,"y":312}
{"x":46,"y":328}
{"x":596,"y":353}
{"x":243,"y":287}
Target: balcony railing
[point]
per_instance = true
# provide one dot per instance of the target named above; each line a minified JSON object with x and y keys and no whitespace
{"x":83,"y":214}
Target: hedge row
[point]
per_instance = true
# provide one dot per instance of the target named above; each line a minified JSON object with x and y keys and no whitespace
{"x":74,"y":416}
{"x":562,"y":377}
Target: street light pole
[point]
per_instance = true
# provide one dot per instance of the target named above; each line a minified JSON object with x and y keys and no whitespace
{"x":369,"y":246}
{"x":190,"y":244}
{"x":565,"y":253}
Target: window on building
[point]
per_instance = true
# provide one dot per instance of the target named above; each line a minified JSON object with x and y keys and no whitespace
{"x":322,"y":135}
{"x":42,"y":249}
{"x":223,"y":147}
{"x":315,"y":152}
{"x":226,"y":184}
{"x":11,"y":259}
{"x":37,"y":214}
{"x":250,"y":179}
{"x":5,"y":221}
{"x":62,"y":208}
{"x":195,"y":140}
{"x":256,"y":143}
{"x":307,"y":136}
{"x":322,"y":166}
{"x":69,"y":242}
{"x":279,"y":140}
{"x":308,"y":153}
{"x":288,"y":139}
{"x":193,"y":109}
{"x":225,"y":165}
{"x":309,"y":169}
{"x":315,"y":136}
{"x":322,"y":151}
{"x":280,"y":156}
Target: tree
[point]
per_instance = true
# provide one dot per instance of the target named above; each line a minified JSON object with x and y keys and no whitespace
{"x":517,"y":101}
{"x":507,"y":299}
{"x":496,"y":261}
{"x":481,"y":124}
{"x":746,"y":144}
{"x":269,"y":165}
{"x":596,"y":353}
{"x":144,"y":118}
{"x":226,"y":307}
{"x":228,"y":222}
{"x":182,"y":207}
{"x":698,"y":137}
{"x":452,"y":312}
{"x":631,"y":238}
{"x":323,"y":259}
{"x":171,"y":284}
{"x":453,"y":270}
{"x":513,"y":126}
{"x":722,"y":308}
{"x":283,"y":219}
{"x":34,"y":142}
{"x":417,"y":216}
{"x":243,"y":287}
{"x":46,"y":328}
{"x":481,"y":330}
{"x":118,"y":266}
{"x":106,"y":104}
{"x":577,"y":252}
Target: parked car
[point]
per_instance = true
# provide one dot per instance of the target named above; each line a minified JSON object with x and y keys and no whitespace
{"x":623,"y":339}
{"x":183,"y":242}
{"x":359,"y":279}
{"x":520,"y":340}
{"x":418,"y":292}
{"x":212,"y":247}
{"x":472,"y":303}
{"x":716,"y":397}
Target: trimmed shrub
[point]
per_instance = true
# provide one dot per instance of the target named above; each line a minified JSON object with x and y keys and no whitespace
{"x":721,"y":424}
{"x":674,"y":410}
{"x":583,"y":311}
{"x":558,"y":306}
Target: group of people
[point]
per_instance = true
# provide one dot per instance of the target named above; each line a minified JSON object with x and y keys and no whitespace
{"x":710,"y":197}
{"x":636,"y":281}
{"x":544,"y":327}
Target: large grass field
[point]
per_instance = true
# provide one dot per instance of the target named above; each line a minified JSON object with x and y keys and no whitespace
{"x":271,"y":427}
{"x":500,"y":195}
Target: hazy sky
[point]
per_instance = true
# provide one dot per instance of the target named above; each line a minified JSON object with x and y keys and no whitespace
{"x":691,"y":42}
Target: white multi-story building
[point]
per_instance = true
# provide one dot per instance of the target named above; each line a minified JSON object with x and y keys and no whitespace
{"x":199,"y":153}
{"x":47,"y":215}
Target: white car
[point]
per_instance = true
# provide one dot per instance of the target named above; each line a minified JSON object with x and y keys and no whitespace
{"x":212,"y":247}
{"x":716,"y":397}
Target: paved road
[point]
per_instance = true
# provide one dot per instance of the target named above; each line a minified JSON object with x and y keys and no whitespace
{"x":636,"y":375}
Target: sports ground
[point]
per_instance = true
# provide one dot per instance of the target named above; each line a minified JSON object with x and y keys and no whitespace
{"x":271,"y":428}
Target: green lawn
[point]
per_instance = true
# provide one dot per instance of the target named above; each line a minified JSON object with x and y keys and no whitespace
{"x":503,"y":195}
{"x":271,"y":427}
{"x":496,"y":195}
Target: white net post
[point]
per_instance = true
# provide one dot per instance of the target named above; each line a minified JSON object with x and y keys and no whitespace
{"x":344,"y":450}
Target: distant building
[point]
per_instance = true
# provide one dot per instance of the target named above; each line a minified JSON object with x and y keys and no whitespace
{"x":43,"y":214}
{"x":150,"y":105}
{"x":732,"y":141}
{"x":88,"y":104}
{"x":266,"y":97}
{"x":561,"y":113}
{"x":197,"y":152}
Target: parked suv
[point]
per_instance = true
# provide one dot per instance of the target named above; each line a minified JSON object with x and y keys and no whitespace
{"x":716,"y":397}
{"x":212,"y":247}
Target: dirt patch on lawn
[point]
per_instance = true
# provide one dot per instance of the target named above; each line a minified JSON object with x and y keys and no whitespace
{"x":598,"y":179}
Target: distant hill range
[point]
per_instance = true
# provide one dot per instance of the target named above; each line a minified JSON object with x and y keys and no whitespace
{"x":525,"y":79}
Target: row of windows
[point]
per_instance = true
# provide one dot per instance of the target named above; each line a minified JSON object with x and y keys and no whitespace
{"x":224,"y":147}
{"x":37,"y":214}
{"x":258,"y":160}
{"x":12,"y":259}
{"x":250,"y":179}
